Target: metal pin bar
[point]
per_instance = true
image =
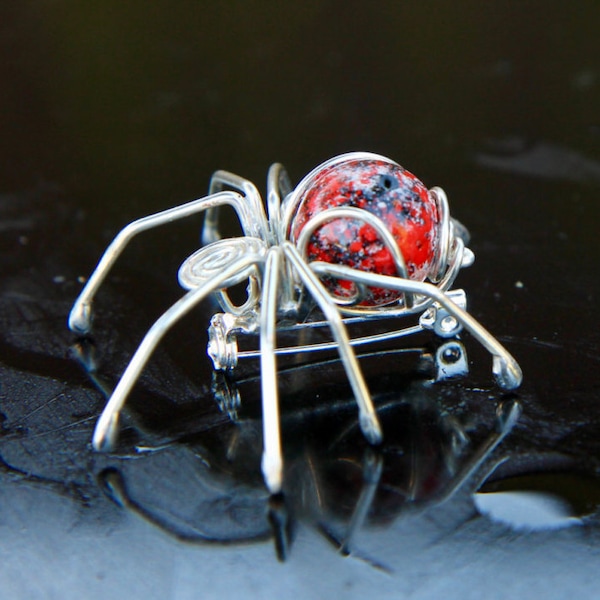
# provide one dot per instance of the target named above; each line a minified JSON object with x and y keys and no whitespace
{"x":324,"y":346}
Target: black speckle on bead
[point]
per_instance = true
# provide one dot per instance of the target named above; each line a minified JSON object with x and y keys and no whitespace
{"x":387,"y":183}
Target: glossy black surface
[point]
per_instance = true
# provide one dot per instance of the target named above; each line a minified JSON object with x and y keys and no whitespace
{"x":115,"y":110}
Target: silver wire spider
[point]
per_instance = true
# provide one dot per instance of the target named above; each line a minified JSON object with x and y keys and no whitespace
{"x":282,"y":278}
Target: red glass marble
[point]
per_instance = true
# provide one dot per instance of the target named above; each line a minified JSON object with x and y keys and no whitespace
{"x":386,"y":190}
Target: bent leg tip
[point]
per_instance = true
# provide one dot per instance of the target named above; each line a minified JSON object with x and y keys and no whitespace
{"x":369,"y":425}
{"x":507,"y":372}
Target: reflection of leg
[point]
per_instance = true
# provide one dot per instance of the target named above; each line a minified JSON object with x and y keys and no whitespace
{"x":505,"y":368}
{"x":107,"y":426}
{"x":85,"y":353}
{"x":369,"y":422}
{"x":81,"y":313}
{"x":372,"y":467}
{"x":506,"y":416}
{"x":272,"y":460}
{"x":282,"y":525}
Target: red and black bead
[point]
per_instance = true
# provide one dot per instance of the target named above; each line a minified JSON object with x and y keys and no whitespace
{"x":389,"y":192}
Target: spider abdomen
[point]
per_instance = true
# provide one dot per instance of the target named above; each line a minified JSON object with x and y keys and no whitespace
{"x":384,"y":189}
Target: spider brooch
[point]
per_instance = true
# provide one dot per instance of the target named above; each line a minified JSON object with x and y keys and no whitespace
{"x":359,"y":238}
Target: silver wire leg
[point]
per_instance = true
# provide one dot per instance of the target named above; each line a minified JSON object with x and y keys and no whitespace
{"x":107,"y":427}
{"x":369,"y":423}
{"x":272,"y":460}
{"x":506,"y":370}
{"x":80,"y":318}
{"x":251,"y":198}
{"x":278,"y":187}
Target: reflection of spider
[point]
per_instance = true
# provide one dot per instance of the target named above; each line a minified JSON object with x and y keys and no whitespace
{"x":359,"y":235}
{"x":335,"y":483}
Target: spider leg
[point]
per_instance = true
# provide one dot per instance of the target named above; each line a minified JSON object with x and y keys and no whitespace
{"x":81,"y":314}
{"x":368,"y":420}
{"x":505,"y":368}
{"x":272,"y":460}
{"x":278,"y":187}
{"x":251,"y":198}
{"x":107,"y":426}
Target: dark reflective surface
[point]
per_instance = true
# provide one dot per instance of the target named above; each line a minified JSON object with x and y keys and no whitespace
{"x":207,"y":488}
{"x":108,"y":113}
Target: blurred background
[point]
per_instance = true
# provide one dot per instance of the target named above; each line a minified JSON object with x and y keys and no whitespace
{"x":146,"y":101}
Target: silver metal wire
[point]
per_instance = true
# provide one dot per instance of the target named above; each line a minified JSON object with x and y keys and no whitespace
{"x":80,"y":317}
{"x":208,"y":262}
{"x":356,"y":214}
{"x":107,"y":426}
{"x":505,"y":368}
{"x":280,"y":280}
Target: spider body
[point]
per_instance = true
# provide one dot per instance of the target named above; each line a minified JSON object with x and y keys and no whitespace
{"x":387,"y":191}
{"x":360,"y":237}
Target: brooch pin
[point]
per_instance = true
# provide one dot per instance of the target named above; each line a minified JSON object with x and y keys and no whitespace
{"x":358,"y":239}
